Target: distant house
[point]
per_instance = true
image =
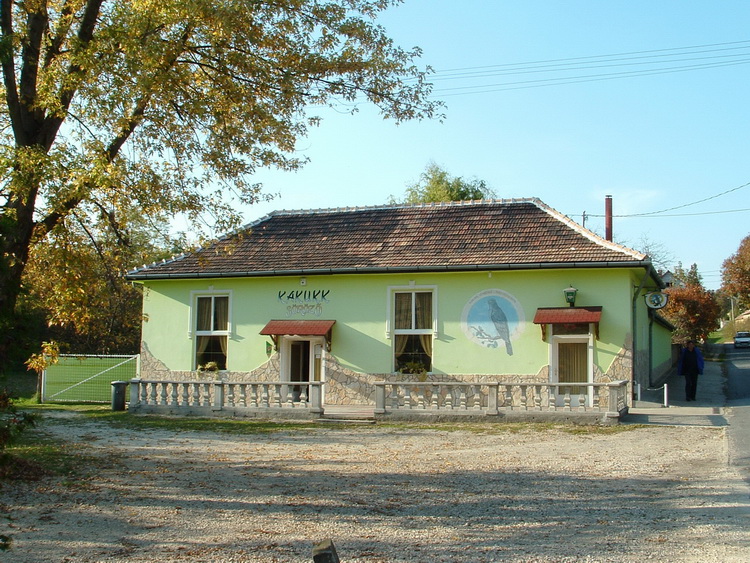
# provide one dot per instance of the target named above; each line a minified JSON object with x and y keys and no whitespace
{"x":668,"y":278}
{"x":465,"y":291}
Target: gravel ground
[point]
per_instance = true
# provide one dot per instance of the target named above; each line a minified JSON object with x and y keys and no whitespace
{"x":383,"y":495}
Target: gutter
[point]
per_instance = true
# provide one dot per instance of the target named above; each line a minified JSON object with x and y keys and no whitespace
{"x":143,"y":275}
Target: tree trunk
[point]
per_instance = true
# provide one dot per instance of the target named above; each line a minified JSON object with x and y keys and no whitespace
{"x":15,"y":240}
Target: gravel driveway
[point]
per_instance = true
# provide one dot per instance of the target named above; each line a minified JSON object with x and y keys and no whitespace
{"x":384,"y":495}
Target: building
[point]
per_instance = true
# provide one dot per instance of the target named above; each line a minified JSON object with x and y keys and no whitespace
{"x":477,"y":291}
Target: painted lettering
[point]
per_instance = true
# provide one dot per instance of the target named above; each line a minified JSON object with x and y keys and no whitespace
{"x":304,"y":296}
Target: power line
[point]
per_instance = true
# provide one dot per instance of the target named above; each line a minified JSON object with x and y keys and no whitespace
{"x":524,"y":84}
{"x":714,"y":55}
{"x":662,"y":213}
{"x":623,"y":56}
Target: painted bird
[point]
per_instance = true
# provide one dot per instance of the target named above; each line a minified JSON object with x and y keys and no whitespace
{"x":500,"y":321}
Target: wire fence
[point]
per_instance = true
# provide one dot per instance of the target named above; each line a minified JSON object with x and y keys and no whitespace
{"x":86,"y":378}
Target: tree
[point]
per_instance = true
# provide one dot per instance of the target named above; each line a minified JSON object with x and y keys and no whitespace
{"x":436,"y":185}
{"x":75,"y":278}
{"x":735,"y":274}
{"x":171,"y":105}
{"x":660,"y":256}
{"x":689,"y":277}
{"x":691,"y":308}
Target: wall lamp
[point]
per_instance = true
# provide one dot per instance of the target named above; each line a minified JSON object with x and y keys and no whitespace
{"x":570,"y":295}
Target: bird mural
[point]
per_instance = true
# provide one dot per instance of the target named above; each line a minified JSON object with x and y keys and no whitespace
{"x":500,"y":321}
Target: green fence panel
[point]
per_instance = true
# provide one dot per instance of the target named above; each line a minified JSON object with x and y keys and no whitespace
{"x":86,"y":378}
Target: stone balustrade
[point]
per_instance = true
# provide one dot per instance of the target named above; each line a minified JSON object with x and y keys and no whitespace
{"x":581,"y":401}
{"x":220,"y":398}
{"x":436,"y":400}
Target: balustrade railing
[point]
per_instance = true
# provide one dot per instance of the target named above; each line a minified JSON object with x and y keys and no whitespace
{"x":495,"y":397}
{"x":211,"y":396}
{"x":430,"y":397}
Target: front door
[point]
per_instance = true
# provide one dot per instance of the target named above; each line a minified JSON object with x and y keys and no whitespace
{"x":571,"y":365}
{"x":301,"y":361}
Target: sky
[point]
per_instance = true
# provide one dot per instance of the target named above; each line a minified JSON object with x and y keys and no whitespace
{"x":565,"y":101}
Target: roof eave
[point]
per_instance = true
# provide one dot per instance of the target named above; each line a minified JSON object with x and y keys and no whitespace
{"x":144,"y":276}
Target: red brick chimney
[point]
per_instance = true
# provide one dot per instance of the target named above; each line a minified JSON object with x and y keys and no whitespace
{"x":608,"y":217}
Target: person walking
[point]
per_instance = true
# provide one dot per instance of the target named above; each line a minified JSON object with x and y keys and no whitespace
{"x":690,"y":366}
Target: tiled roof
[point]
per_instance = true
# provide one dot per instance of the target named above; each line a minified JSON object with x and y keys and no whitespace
{"x":566,"y":315}
{"x":493,"y":234}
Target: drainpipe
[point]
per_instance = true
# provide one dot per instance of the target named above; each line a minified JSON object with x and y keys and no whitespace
{"x":634,"y":328}
{"x":650,"y":347}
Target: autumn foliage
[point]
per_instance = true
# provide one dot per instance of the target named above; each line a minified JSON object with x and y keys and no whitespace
{"x":736,"y":274}
{"x":166,"y":108}
{"x":693,"y":311}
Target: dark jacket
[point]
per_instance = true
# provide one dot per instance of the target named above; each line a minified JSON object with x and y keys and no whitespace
{"x":681,"y":365}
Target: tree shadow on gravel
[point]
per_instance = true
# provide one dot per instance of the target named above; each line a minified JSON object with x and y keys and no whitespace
{"x":167,"y":502}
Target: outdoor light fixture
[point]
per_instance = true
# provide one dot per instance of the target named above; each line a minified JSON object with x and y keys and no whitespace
{"x":570,"y":295}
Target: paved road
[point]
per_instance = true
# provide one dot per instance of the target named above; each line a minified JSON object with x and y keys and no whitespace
{"x":737,"y":364}
{"x":723,"y":399}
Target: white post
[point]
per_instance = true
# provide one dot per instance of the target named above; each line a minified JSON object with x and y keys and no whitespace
{"x":134,"y":394}
{"x":666,"y":395}
{"x":380,"y":399}
{"x":316,"y":399}
{"x":218,"y":395}
{"x":492,"y":391}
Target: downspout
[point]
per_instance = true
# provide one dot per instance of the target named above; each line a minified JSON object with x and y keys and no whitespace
{"x":635,"y":325}
{"x":650,"y":347}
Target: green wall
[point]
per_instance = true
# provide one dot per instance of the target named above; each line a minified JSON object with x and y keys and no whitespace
{"x":359,"y":304}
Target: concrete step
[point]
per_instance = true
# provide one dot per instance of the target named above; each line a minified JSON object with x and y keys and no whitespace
{"x":343,"y":421}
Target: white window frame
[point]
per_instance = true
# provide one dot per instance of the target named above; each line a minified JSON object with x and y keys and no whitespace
{"x":391,"y":331}
{"x":193,"y":319}
{"x":390,"y":306}
{"x":193,"y":332}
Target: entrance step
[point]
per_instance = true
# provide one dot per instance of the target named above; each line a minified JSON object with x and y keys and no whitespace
{"x":345,"y":421}
{"x":348,"y":414}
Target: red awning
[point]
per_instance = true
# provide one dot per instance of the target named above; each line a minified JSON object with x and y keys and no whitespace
{"x":298,"y":328}
{"x":567,"y":315}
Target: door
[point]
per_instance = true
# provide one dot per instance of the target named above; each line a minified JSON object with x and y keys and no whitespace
{"x":571,"y":365}
{"x":301,"y":361}
{"x":299,"y":365}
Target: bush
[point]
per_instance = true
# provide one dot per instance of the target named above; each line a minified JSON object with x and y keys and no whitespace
{"x":12,"y":423}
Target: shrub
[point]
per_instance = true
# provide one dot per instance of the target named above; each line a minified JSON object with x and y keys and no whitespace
{"x":12,"y":423}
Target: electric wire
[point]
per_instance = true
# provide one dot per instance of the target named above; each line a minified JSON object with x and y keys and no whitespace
{"x":551,"y":63}
{"x":663,"y":212}
{"x":656,"y":61}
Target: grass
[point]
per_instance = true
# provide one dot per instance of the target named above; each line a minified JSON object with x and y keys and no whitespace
{"x":35,"y":456}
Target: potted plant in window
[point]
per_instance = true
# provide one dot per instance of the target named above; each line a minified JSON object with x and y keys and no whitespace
{"x":415,"y":368}
{"x":209,"y":369}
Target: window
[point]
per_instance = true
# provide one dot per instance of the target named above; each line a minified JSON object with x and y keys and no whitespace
{"x":413,"y":331}
{"x":211,"y":330}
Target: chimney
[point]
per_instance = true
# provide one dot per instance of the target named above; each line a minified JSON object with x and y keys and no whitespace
{"x":608,"y":217}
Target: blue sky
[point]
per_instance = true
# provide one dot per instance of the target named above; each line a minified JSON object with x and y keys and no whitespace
{"x":659,"y":138}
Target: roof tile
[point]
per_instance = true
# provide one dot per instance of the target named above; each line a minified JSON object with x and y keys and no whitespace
{"x":460,"y":235}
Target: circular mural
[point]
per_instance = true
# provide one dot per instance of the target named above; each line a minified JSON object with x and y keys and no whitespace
{"x":491,"y":317}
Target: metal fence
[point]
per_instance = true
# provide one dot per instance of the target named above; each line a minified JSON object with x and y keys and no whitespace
{"x":86,"y":378}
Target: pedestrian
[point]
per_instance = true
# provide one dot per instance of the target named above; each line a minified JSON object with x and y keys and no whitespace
{"x":691,"y":366}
